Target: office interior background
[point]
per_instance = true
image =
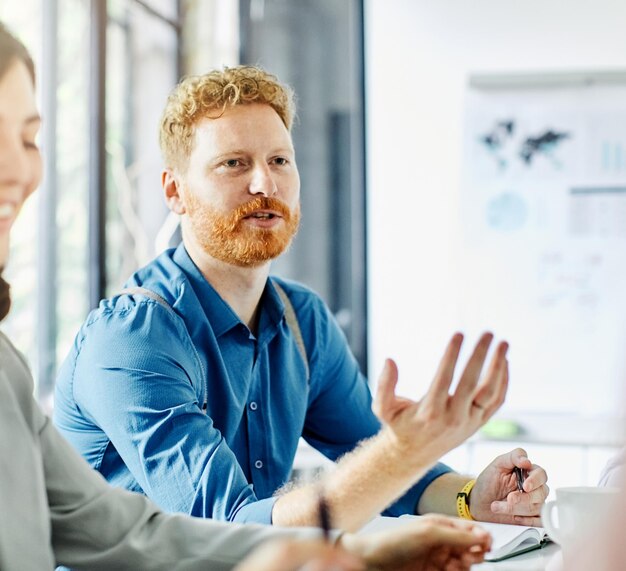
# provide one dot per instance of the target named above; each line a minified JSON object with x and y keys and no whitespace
{"x":402,"y":234}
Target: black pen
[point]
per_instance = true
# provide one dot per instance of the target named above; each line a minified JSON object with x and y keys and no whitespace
{"x":324,"y":516}
{"x":519,"y":473}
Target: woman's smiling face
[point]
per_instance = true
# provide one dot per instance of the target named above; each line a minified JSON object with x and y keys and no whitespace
{"x":20,"y":160}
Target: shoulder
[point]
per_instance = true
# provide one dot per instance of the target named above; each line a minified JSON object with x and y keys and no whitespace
{"x":133,"y":329}
{"x":10,"y":357}
{"x":14,"y":366}
{"x":163,"y":277}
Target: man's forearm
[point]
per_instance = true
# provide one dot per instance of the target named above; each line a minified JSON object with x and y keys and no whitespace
{"x":364,"y":483}
{"x":440,"y":495}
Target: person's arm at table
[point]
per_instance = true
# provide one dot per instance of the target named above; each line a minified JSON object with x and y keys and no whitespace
{"x":83,"y":509}
{"x":95,"y":526}
{"x":414,"y":436}
{"x":336,"y":378}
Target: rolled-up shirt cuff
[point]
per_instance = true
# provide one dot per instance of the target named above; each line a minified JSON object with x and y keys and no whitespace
{"x":256,"y":512}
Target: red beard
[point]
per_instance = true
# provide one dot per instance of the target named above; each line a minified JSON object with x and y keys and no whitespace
{"x":228,"y":238}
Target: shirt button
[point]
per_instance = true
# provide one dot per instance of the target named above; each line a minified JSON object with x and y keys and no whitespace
{"x":258,"y":464}
{"x":253,"y":405}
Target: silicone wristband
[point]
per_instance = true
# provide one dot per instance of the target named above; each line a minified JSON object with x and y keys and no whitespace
{"x":462,"y":501}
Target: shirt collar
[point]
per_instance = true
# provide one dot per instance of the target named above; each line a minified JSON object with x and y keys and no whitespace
{"x":272,"y":307}
{"x":218,"y":312}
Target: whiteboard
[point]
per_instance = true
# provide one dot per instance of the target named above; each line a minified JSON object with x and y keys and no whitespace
{"x":543,"y":235}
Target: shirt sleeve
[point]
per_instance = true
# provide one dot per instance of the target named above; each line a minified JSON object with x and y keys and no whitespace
{"x":336,"y":378}
{"x":136,"y":377}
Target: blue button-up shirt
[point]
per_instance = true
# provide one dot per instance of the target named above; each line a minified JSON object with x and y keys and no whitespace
{"x":186,"y":405}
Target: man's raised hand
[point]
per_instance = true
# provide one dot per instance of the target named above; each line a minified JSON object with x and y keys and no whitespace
{"x":424,"y":430}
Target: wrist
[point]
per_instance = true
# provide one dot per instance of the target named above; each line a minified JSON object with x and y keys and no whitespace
{"x":403,"y":452}
{"x":463,"y":500}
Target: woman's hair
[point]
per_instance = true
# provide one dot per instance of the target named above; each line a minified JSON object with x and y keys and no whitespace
{"x":210,"y":95}
{"x":11,"y":50}
{"x":5,"y":298}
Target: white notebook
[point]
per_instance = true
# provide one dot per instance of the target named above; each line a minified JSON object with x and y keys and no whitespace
{"x":508,"y":540}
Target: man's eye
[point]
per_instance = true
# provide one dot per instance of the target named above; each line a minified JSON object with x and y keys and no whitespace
{"x":233,"y":163}
{"x":280,"y":161}
{"x":29,"y":144}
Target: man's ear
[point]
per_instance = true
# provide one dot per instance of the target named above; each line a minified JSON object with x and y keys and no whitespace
{"x":171,"y":184}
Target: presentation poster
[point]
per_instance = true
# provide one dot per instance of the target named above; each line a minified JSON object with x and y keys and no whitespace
{"x":543,"y":244}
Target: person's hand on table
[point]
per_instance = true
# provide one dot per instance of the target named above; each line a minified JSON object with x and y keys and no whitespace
{"x":495,"y":496}
{"x":298,"y":555}
{"x":422,"y":431}
{"x":429,"y":543}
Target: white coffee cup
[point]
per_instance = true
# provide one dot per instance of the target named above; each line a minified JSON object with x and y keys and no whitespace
{"x":581,"y":511}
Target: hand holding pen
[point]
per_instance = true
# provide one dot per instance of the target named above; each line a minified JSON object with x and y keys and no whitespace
{"x":510,"y":490}
{"x":520,"y":474}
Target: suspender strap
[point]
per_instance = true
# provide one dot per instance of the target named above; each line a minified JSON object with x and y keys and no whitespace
{"x":290,"y":316}
{"x":148,"y":293}
{"x":292,"y":322}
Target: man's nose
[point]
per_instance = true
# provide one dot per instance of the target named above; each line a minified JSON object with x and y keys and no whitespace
{"x":262,"y":181}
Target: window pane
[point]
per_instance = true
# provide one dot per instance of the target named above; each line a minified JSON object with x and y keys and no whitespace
{"x":72,"y":170}
{"x":141,"y":70}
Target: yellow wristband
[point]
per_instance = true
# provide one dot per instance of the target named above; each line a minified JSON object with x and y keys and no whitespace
{"x":462,"y":503}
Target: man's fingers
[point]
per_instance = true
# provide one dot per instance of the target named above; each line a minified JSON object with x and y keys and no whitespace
{"x":519,"y":458}
{"x":522,"y":503}
{"x":500,"y":393}
{"x":471,"y":373}
{"x":386,"y":390}
{"x":516,"y":457}
{"x":438,"y":392}
{"x":498,"y":399}
{"x":489,"y":394}
{"x":528,"y":521}
{"x":537,"y":497}
{"x":536,"y":478}
{"x":504,"y":386}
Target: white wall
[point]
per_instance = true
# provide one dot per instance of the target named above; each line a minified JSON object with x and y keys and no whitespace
{"x":418,"y":57}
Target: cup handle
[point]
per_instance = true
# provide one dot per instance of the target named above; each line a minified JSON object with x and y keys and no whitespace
{"x":546,"y":520}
